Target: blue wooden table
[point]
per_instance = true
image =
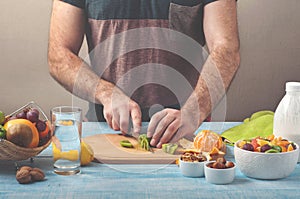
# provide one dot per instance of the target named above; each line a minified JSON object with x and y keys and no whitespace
{"x":138,"y":181}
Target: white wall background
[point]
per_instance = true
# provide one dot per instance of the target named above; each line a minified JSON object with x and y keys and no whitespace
{"x":270,"y":51}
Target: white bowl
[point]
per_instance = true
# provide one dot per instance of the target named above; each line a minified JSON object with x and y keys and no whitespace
{"x":266,"y":165}
{"x":219,"y":176}
{"x":191,"y":169}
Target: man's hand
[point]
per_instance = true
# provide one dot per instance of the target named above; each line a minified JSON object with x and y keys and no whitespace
{"x":119,"y":110}
{"x":170,"y":125}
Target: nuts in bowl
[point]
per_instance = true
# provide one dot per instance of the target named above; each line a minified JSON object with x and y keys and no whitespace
{"x":191,"y":164}
{"x":266,"y":158}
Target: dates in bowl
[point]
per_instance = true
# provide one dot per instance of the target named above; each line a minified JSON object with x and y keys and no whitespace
{"x":219,"y":171}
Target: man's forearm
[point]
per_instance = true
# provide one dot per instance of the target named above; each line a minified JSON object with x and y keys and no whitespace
{"x":214,"y":80}
{"x":76,"y":76}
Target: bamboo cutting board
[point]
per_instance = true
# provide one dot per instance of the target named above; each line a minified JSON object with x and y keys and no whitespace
{"x":107,"y":149}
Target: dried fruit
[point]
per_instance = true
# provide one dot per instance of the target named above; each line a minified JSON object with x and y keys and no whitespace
{"x":28,"y":174}
{"x":37,"y":174}
{"x":23,"y":176}
{"x":248,"y":147}
{"x":221,"y":163}
{"x":193,"y":156}
{"x":270,"y":145}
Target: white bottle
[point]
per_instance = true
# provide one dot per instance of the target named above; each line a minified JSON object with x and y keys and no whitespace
{"x":287,"y":114}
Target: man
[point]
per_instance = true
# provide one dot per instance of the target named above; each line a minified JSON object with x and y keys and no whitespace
{"x":124,"y":82}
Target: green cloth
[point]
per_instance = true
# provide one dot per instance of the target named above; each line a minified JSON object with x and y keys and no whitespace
{"x":259,"y":124}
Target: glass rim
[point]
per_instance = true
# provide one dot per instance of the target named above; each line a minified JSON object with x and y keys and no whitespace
{"x":66,"y":109}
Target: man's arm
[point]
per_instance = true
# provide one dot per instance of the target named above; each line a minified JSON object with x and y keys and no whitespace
{"x":65,"y":39}
{"x":221,"y":32}
{"x":67,"y":29}
{"x":220,"y":28}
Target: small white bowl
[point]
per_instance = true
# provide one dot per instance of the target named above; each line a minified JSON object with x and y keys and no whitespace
{"x":266,"y":166}
{"x":191,"y":169}
{"x":219,"y":176}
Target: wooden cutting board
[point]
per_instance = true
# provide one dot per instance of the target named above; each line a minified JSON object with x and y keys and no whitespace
{"x":107,"y":149}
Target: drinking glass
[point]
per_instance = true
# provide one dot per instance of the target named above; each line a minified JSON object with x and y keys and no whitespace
{"x":66,"y":122}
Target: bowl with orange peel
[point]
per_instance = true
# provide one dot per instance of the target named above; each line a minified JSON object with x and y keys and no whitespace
{"x":27,"y":133}
{"x":266,"y":158}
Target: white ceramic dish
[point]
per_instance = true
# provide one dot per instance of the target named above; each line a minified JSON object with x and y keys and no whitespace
{"x":266,"y":165}
{"x":219,"y":176}
{"x":192,"y":169}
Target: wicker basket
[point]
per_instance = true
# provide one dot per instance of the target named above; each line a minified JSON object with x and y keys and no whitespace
{"x":10,"y":151}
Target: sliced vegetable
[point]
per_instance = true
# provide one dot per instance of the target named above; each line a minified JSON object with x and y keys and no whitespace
{"x":126,"y":144}
{"x":144,"y":142}
{"x":169,"y":148}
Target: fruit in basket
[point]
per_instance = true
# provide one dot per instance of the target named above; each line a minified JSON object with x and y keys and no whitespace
{"x":40,"y":125}
{"x":22,"y":132}
{"x":44,"y":132}
{"x":2,"y":132}
{"x":2,"y":117}
{"x":32,"y":115}
{"x":21,"y":115}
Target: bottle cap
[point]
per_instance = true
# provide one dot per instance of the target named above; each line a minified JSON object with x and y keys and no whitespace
{"x":292,"y":86}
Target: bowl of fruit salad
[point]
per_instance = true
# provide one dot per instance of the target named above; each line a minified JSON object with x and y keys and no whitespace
{"x":266,"y":158}
{"x":24,"y":133}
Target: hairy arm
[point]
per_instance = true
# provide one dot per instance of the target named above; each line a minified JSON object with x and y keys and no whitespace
{"x":67,"y":29}
{"x":220,"y":28}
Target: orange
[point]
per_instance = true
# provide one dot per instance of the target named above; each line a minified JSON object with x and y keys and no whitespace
{"x":22,"y":132}
{"x":206,"y":140}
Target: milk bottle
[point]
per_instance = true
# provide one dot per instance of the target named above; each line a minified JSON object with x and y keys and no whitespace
{"x":287,"y":114}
